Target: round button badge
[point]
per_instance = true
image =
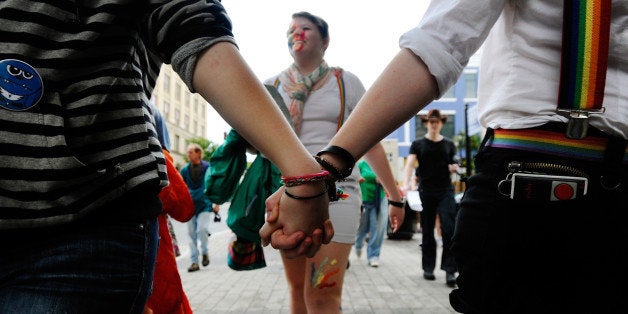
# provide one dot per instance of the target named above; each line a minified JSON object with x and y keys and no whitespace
{"x":564,"y":191}
{"x":21,"y":86}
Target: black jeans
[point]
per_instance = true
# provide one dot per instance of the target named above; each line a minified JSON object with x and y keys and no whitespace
{"x":541,"y":257}
{"x":439,"y":202}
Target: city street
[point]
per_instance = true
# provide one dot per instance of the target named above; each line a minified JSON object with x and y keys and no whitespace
{"x":396,"y":286}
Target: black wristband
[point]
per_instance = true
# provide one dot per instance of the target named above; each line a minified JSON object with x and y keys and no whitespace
{"x":343,"y":154}
{"x":305,"y":197}
{"x":396,"y":204}
{"x":333,"y":171}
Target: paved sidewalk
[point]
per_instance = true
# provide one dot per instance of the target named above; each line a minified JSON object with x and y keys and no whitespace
{"x":396,"y":286}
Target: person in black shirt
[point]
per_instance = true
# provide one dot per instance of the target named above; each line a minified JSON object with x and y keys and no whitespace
{"x":435,"y":155}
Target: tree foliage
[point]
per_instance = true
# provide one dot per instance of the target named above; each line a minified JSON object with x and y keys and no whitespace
{"x":474,"y":144}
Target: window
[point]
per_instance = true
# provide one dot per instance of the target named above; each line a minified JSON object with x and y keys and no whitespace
{"x":471,"y":85}
{"x":194,"y":127}
{"x":177,"y":92}
{"x":177,"y":115}
{"x":166,"y":107}
{"x":177,"y":142}
{"x":186,"y":122}
{"x":166,"y":83}
{"x":450,"y":93}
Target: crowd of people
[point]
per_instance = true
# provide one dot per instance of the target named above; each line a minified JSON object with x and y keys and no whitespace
{"x":83,"y":167}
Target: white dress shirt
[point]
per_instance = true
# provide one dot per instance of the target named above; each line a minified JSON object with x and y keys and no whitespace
{"x":520,"y":68}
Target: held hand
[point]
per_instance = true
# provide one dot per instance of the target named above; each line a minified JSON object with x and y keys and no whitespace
{"x":271,"y":225}
{"x":286,"y":228}
{"x":396,"y":216}
{"x":453,"y":168}
{"x":405,"y":188}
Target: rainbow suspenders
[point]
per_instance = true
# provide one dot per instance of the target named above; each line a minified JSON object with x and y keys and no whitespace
{"x":586,"y":32}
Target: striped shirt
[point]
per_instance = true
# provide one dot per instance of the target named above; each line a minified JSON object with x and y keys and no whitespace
{"x":76,"y":130}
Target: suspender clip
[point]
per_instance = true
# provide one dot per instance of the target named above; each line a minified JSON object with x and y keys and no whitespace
{"x":578,"y":123}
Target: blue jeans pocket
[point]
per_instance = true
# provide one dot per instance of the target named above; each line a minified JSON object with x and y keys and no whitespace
{"x":100,"y":268}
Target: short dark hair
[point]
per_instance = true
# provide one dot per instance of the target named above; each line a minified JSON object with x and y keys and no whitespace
{"x":322,"y":26}
{"x":434,"y":114}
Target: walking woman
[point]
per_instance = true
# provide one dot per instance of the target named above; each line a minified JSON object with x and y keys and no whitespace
{"x":320,"y":98}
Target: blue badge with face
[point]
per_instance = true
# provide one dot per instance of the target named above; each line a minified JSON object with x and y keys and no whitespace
{"x":21,"y":87}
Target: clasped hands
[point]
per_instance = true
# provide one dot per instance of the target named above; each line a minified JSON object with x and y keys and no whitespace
{"x":296,"y":226}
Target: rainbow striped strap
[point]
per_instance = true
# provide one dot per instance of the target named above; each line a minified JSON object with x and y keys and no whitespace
{"x":552,"y":143}
{"x":586,"y":28}
{"x":341,"y":87}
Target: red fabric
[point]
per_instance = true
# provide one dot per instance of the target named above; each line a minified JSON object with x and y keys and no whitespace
{"x":168,"y":295}
{"x":176,"y":199}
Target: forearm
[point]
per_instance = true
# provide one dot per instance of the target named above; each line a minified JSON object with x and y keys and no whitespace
{"x":407,"y":174}
{"x":224,"y":79}
{"x":376,"y":158}
{"x":398,"y":94}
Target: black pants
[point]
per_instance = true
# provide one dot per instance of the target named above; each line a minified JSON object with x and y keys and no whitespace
{"x":541,"y":257}
{"x":439,"y":202}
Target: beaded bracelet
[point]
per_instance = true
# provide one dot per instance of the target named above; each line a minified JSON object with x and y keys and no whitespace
{"x":308,"y":178}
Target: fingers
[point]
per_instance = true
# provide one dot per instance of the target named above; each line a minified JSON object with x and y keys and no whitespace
{"x":272,"y":214}
{"x":394,"y":222}
{"x":396,"y":217}
{"x":265,"y":233}
{"x":272,"y":205}
{"x":329,"y":231}
{"x":302,"y":249}
{"x":317,"y":241}
{"x":281,"y":241}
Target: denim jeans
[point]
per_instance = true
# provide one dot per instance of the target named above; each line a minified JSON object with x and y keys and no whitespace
{"x":373,"y":222}
{"x":82,"y":268}
{"x":541,"y":256}
{"x":198,"y":230}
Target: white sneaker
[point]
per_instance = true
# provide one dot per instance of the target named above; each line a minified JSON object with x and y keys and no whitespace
{"x":374,"y":262}
{"x":358,"y":253}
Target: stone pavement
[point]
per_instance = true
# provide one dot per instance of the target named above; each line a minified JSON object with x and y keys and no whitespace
{"x":396,"y":286}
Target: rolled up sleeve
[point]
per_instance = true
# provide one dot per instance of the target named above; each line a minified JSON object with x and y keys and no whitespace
{"x":177,"y":31}
{"x":449,"y":34}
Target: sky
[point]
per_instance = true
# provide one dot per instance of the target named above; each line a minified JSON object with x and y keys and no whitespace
{"x":364,"y":36}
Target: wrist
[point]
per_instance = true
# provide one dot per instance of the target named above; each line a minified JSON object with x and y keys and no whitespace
{"x":300,"y":166}
{"x":306,"y":191}
{"x":307,"y":197}
{"x":337,"y":160}
{"x":400,"y":204}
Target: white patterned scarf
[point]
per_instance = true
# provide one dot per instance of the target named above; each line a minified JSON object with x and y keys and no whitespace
{"x":299,"y":87}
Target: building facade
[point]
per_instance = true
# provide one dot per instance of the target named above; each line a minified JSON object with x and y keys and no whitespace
{"x":184,"y":112}
{"x":452,"y":104}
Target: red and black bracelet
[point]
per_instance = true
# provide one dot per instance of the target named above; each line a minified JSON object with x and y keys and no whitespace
{"x":308,"y":178}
